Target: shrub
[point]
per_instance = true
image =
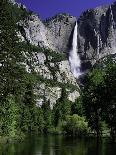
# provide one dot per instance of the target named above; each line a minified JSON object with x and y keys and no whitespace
{"x":75,"y":125}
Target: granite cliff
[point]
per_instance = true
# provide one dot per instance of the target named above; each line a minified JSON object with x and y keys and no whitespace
{"x":52,"y":39}
{"x":97,"y":34}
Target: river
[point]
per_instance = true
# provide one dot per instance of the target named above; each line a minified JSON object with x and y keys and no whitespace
{"x":58,"y":145}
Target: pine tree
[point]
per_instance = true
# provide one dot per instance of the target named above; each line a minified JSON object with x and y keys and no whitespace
{"x":62,"y":108}
{"x":47,"y":113}
{"x":28,"y":109}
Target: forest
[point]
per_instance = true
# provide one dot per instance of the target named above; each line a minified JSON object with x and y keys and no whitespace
{"x":93,"y":113}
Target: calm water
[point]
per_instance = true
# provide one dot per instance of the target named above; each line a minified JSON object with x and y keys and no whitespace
{"x":58,"y":145}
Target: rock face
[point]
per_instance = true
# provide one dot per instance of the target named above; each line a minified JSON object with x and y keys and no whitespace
{"x":50,"y":61}
{"x":12,"y":1}
{"x":60,"y":28}
{"x":96,"y":39}
{"x":53,"y":33}
{"x":97,"y":34}
{"x":53,"y":75}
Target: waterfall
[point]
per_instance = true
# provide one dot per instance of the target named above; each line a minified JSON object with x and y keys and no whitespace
{"x":74,"y":59}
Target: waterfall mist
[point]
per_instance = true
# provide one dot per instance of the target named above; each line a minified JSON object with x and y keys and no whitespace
{"x":74,"y":59}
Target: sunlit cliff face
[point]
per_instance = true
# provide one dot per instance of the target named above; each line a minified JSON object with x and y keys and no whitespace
{"x":74,"y":59}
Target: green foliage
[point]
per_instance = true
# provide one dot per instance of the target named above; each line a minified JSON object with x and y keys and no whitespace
{"x":18,"y":110}
{"x":9,"y":115}
{"x":53,"y":83}
{"x":19,"y":113}
{"x":62,"y":108}
{"x":54,"y":56}
{"x":11,"y":70}
{"x":77,"y":108}
{"x":76,"y":125}
{"x":99,"y":98}
{"x":18,"y":13}
{"x":109,"y":96}
{"x":17,"y":106}
{"x":96,"y":77}
{"x":39,"y":122}
{"x":105,"y":129}
{"x":92,"y":100}
{"x":47,"y":114}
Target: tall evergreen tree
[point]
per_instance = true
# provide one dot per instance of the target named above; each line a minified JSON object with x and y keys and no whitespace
{"x":47,"y":113}
{"x":62,"y":108}
{"x":92,"y":100}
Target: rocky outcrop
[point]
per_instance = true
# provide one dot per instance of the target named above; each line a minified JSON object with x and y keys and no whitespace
{"x":53,"y":73}
{"x":97,"y":34}
{"x":12,"y":1}
{"x":60,"y":28}
{"x":53,"y":33}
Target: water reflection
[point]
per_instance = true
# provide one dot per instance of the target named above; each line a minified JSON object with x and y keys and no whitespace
{"x":58,"y":145}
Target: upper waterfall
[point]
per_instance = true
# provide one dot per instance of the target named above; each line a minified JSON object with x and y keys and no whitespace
{"x":74,"y":59}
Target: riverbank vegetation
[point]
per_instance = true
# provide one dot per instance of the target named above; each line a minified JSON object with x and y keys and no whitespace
{"x":99,"y":98}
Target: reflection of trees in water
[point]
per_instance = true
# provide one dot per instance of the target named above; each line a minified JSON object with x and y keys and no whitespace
{"x":58,"y":145}
{"x":74,"y":146}
{"x":94,"y":147}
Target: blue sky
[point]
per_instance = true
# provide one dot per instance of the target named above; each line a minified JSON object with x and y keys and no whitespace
{"x":48,"y":8}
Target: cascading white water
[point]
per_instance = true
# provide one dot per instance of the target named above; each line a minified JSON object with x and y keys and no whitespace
{"x":74,"y":59}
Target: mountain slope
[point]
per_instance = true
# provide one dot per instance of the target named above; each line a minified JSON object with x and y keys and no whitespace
{"x":42,"y":45}
{"x":50,"y":41}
